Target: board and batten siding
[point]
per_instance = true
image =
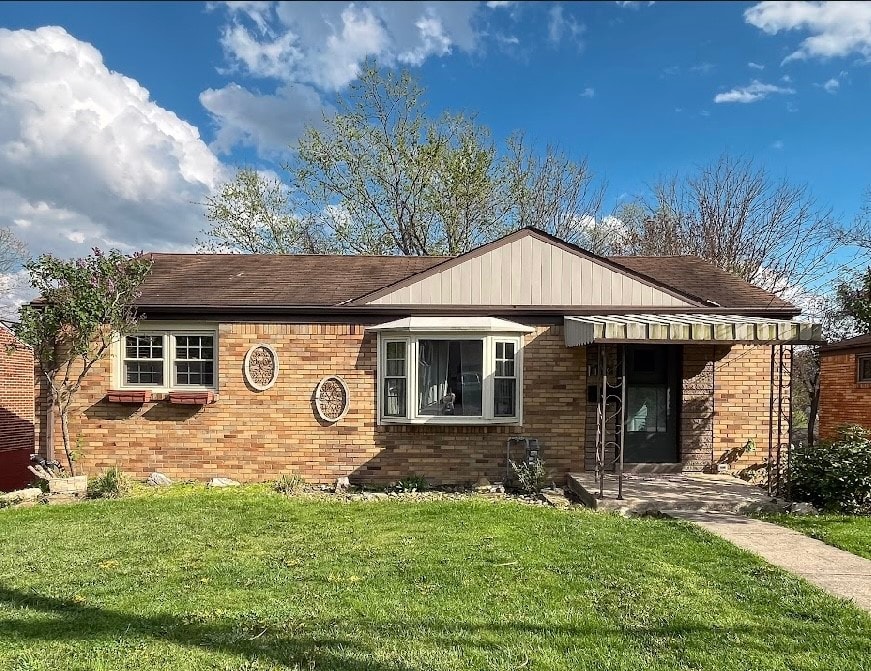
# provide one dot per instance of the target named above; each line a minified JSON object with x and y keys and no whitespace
{"x":529,"y":271}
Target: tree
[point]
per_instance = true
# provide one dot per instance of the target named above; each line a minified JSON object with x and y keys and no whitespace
{"x":381,"y":176}
{"x":732,"y":213}
{"x":85,"y":305}
{"x":854,"y":300}
{"x":12,"y":253}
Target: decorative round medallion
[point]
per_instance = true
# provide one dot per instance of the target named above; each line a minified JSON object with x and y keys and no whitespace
{"x":261,"y":366}
{"x":332,"y":399}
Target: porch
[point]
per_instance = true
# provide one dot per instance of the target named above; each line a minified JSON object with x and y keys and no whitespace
{"x":661,"y":493}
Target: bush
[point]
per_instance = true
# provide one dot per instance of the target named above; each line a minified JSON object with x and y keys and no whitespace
{"x":835,"y":476}
{"x":112,"y":484}
{"x":289,"y":484}
{"x":531,"y":476}
{"x":412,"y":483}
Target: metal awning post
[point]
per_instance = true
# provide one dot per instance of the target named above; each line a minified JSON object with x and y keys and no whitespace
{"x":621,"y":422}
{"x":789,"y":430}
{"x":770,"y":421}
{"x":601,"y":427}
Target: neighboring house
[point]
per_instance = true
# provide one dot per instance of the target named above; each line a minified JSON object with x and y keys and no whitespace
{"x":16,"y":411}
{"x":845,"y":385}
{"x":376,"y":368}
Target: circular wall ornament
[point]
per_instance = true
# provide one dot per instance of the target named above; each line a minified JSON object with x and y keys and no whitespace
{"x":261,"y":366}
{"x":332,"y":399}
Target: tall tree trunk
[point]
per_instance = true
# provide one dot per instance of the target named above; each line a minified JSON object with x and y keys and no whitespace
{"x":812,"y":412}
{"x":65,"y":433}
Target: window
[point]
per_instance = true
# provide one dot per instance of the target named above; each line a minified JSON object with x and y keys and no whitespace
{"x":459,"y":379}
{"x":143,"y":360}
{"x":194,"y":360}
{"x":395,"y":380}
{"x":864,"y":368}
{"x":167,"y":360}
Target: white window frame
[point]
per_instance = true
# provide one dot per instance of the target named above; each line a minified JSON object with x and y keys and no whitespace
{"x":412,"y":349}
{"x":168,"y":333}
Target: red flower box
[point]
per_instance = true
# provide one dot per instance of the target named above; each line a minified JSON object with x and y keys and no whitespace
{"x":193,"y":397}
{"x":129,"y":396}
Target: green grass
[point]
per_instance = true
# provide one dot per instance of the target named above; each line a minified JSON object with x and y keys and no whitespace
{"x":848,"y":532}
{"x":248,"y":579}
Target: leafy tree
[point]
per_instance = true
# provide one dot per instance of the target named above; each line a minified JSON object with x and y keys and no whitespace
{"x":732,"y":213}
{"x":85,"y":304}
{"x":12,"y":253}
{"x":854,"y":300}
{"x":382,"y":176}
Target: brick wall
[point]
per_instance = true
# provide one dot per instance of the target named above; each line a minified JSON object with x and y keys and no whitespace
{"x":252,"y":435}
{"x":843,"y":400}
{"x":16,"y":411}
{"x":741,"y":402}
{"x":697,"y":407}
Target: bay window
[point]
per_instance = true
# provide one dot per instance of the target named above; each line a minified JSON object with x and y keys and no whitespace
{"x":162,"y":360}
{"x":449,"y":378}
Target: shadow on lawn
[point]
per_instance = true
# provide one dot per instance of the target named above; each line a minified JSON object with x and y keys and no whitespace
{"x":71,"y":620}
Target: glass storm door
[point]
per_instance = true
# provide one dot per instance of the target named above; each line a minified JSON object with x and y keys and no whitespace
{"x":651,"y":403}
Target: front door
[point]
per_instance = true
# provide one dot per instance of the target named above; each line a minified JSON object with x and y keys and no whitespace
{"x":651,"y":404}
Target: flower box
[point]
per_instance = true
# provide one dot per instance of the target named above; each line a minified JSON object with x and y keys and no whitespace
{"x":129,"y":396}
{"x":193,"y":397}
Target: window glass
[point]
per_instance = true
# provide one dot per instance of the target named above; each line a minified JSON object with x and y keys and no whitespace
{"x":194,"y":360}
{"x":395,"y":380}
{"x":450,"y":377}
{"x":143,"y":359}
{"x":646,"y":409}
{"x":505,"y":386}
{"x":865,"y":369}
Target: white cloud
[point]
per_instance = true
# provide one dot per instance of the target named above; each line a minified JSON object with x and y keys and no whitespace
{"x":559,"y":26}
{"x":87,"y":158}
{"x":270,"y":123}
{"x":755,"y":66}
{"x":777,"y":144}
{"x":633,"y":4}
{"x":493,"y":4}
{"x":836,"y":29}
{"x":831,"y":86}
{"x":312,"y":50}
{"x":751,"y":93}
{"x":588,"y":92}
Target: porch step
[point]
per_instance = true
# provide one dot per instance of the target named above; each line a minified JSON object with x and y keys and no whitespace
{"x":573,"y":484}
{"x":653,"y":468}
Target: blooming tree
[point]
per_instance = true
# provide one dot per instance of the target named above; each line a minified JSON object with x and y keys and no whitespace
{"x":84,"y":305}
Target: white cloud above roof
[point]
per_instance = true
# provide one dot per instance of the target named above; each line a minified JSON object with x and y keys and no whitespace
{"x":751,"y":93}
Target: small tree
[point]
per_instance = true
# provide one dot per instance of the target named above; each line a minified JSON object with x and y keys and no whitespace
{"x":85,"y":304}
{"x":854,"y":300}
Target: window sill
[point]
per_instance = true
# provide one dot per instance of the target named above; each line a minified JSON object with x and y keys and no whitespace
{"x":450,"y":421}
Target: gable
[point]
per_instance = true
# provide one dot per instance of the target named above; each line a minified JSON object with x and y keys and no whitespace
{"x":528,"y":269}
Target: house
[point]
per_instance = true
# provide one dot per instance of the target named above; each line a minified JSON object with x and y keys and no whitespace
{"x":376,"y":368}
{"x":16,"y":411}
{"x":845,"y":385}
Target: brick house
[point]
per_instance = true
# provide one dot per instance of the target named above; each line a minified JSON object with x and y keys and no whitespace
{"x":845,"y":385}
{"x":376,"y":368}
{"x":16,"y":411}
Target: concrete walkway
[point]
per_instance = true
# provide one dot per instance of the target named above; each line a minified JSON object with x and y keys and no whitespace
{"x":837,"y":572}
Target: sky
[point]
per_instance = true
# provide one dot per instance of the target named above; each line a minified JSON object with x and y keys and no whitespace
{"x":117,"y":120}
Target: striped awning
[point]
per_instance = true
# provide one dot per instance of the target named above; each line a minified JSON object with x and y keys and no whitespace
{"x":688,"y":328}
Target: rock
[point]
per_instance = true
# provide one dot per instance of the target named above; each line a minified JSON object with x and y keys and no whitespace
{"x":223,"y":482}
{"x":158,"y":480}
{"x":799,"y":508}
{"x":483,"y":485}
{"x":21,"y":495}
{"x":73,"y":485}
{"x":342,"y":485}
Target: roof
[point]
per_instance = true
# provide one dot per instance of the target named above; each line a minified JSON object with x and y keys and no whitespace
{"x":694,"y":275}
{"x":241,"y":280}
{"x":276,"y":282}
{"x":849,"y":343}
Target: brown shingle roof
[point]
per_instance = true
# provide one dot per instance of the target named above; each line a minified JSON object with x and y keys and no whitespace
{"x":277,"y":281}
{"x":849,"y":343}
{"x":697,"y":277}
{"x":241,"y":280}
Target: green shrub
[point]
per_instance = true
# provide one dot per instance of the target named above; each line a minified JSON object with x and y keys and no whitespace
{"x":289,"y":484}
{"x":112,"y":484}
{"x":835,"y":476}
{"x":531,"y":476}
{"x":412,"y":483}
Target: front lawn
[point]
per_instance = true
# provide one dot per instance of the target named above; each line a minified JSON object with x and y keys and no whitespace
{"x":848,"y":532}
{"x":247,"y":579}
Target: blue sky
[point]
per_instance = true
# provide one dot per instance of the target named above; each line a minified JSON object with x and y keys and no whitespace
{"x":119,"y":118}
